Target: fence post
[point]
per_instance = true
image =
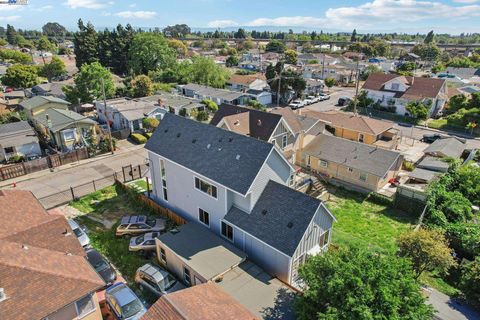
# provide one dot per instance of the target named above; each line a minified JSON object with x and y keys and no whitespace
{"x":148,"y":187}
{"x":73,"y":194}
{"x":131,"y":171}
{"x":76,"y":155}
{"x":140,"y":171}
{"x":94,"y":187}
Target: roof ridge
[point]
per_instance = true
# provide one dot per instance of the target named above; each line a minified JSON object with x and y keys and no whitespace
{"x":43,"y":222}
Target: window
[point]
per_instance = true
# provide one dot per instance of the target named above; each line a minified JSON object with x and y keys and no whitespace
{"x":323,"y":163}
{"x":363,"y":177}
{"x":227,"y":231}
{"x":284,"y":141}
{"x":395,"y":86}
{"x":360,"y":137}
{"x":274,"y":142}
{"x":324,"y":239}
{"x":163,"y":256}
{"x":206,"y":187}
{"x":85,"y":306}
{"x":164,"y":180}
{"x":204,"y":217}
{"x":9,"y":150}
{"x":350,"y":170}
{"x":186,"y":276}
{"x":68,"y":134}
{"x":308,"y":161}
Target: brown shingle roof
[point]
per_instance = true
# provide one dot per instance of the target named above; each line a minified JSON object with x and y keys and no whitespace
{"x":295,"y":121}
{"x":246,"y":79}
{"x":205,"y":301}
{"x":419,"y":88}
{"x":350,"y":121}
{"x":42,"y":267}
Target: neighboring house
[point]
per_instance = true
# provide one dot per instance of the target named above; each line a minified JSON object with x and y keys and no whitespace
{"x":391,"y":90}
{"x":206,"y":301}
{"x":468,"y":75}
{"x":49,"y":89}
{"x":351,"y":163}
{"x":433,"y":164}
{"x":446,"y":147}
{"x":246,"y":82}
{"x":358,"y":128}
{"x":64,"y":128}
{"x":314,"y":86}
{"x":262,"y":96}
{"x":124,"y":113}
{"x":39,"y":104}
{"x":228,"y":182}
{"x":18,"y":139}
{"x":174,"y":103}
{"x":43,"y":268}
{"x":219,"y":96}
{"x":340,"y":73}
{"x":257,"y":124}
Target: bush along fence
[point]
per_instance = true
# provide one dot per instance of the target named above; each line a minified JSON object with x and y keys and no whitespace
{"x":51,"y":161}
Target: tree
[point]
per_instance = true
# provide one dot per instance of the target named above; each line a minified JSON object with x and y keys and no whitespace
{"x":232,"y":61}
{"x":202,"y":116}
{"x":354,"y":283}
{"x":470,"y":280}
{"x":330,"y":82}
{"x":427,"y":249}
{"x":429,"y":38}
{"x":464,"y":238}
{"x":240,"y":34}
{"x":210,"y":105}
{"x":353,"y":38}
{"x":11,"y":33}
{"x":142,"y":86}
{"x":429,"y":52}
{"x":177,"y":31}
{"x":54,"y":69}
{"x":275,"y":46}
{"x":204,"y":70}
{"x":417,"y":110}
{"x":15,"y":56}
{"x":43,"y":45}
{"x":370,"y":69}
{"x":178,"y":46}
{"x":21,"y":76}
{"x":291,"y":57}
{"x":3,"y":42}
{"x":54,"y":29}
{"x":256,"y":105}
{"x":150,"y":123}
{"x":85,"y":42}
{"x":89,"y":85}
{"x":149,"y":52}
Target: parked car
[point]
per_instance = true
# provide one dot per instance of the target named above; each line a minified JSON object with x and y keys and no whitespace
{"x":139,"y":224}
{"x":307,"y":101}
{"x":343,"y":101}
{"x":430,"y":138}
{"x":102,"y":266}
{"x":314,"y":99}
{"x":79,"y":233}
{"x":294,"y":106}
{"x":300,"y":102}
{"x":157,"y":280}
{"x":144,"y":242}
{"x":324,"y":96}
{"x":124,"y":303}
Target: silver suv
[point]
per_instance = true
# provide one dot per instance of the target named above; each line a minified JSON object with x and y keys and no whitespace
{"x":157,"y":280}
{"x":139,"y":224}
{"x":143,"y":242}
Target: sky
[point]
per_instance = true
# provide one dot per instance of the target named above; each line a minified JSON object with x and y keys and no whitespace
{"x":409,"y":16}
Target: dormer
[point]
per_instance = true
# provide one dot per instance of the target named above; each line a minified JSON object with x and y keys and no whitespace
{"x":398,"y":84}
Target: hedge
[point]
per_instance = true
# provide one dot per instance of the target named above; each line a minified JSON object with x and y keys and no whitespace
{"x":147,"y":135}
{"x":138,"y":138}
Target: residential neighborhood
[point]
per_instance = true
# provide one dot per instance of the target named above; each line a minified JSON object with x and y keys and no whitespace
{"x":200,"y":160}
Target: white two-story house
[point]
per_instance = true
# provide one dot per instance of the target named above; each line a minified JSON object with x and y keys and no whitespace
{"x":392,"y":90}
{"x":237,"y":187}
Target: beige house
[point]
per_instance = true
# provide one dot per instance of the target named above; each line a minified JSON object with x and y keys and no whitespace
{"x":39,"y":104}
{"x":350,"y":163}
{"x":43,"y":270}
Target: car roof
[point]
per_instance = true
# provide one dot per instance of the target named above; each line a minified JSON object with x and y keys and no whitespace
{"x":151,"y":235}
{"x":122,"y":293}
{"x":154,"y":271}
{"x":73,"y":224}
{"x":93,"y":255}
{"x":134,"y":219}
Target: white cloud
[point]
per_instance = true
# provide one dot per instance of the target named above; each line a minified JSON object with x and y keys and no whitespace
{"x":87,"y":4}
{"x":222,"y":24}
{"x":465,"y":1}
{"x":299,"y":21}
{"x":47,"y":7}
{"x":133,"y":5}
{"x":9,"y":18}
{"x":137,"y":14}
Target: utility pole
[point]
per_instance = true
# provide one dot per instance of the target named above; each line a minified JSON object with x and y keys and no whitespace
{"x":323,"y":67}
{"x":108,"y":122}
{"x":357,"y":84}
{"x":279,"y":83}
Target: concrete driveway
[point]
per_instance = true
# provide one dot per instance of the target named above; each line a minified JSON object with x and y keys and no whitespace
{"x":450,"y":309}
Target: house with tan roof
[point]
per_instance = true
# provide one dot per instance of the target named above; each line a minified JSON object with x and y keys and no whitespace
{"x":245,"y":82}
{"x":358,"y":128}
{"x":43,"y":270}
{"x":392,"y":90}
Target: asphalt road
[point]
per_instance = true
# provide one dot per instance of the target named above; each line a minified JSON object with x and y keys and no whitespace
{"x":330,"y":104}
{"x":450,"y":309}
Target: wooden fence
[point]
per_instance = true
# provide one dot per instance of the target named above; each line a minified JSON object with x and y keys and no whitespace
{"x":51,"y":161}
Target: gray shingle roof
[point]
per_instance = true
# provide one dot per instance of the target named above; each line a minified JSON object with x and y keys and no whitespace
{"x":450,"y":147}
{"x":283,"y":224}
{"x":37,"y":101}
{"x":423,"y":174}
{"x":16,"y":134}
{"x":210,"y":151}
{"x":434,"y":164}
{"x":373,"y":160}
{"x":213,"y":92}
{"x":60,"y":118}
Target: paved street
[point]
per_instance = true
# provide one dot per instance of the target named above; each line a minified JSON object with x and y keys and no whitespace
{"x":449,"y":309}
{"x":335,"y":93}
{"x":45,"y":183}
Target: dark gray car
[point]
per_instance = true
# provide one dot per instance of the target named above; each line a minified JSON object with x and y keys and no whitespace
{"x":157,"y":280}
{"x":102,"y":266}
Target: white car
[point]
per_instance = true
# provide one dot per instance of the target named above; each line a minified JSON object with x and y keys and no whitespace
{"x":324,"y":96}
{"x":295,"y":106}
{"x":144,"y":242}
{"x":314,"y":99}
{"x":308,"y":101}
{"x":79,"y":233}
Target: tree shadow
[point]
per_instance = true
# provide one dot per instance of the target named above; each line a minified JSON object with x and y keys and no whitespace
{"x":283,"y":306}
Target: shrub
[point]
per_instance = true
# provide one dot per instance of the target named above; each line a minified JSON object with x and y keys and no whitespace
{"x":147,"y":135}
{"x":470,"y":280}
{"x":408,"y":166}
{"x":16,"y":159}
{"x":150,"y":123}
{"x":202,"y":116}
{"x":379,"y":199}
{"x":138,"y":138}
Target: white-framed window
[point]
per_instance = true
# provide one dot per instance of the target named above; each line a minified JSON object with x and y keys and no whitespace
{"x":227,"y":231}
{"x":85,"y":306}
{"x":204,"y":217}
{"x":323,"y":163}
{"x":206,"y":187}
{"x":363,"y":177}
{"x":163,"y":256}
{"x":361,"y":137}
{"x":395,"y":86}
{"x":323,"y":241}
{"x":284,"y":141}
{"x":186,"y":276}
{"x":164,"y":180}
{"x":68,"y":134}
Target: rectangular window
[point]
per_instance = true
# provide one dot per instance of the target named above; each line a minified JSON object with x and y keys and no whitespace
{"x":350,"y":170}
{"x":186,"y":276}
{"x":204,"y":217}
{"x":68,"y":134}
{"x":361,"y":137}
{"x":164,"y":180}
{"x":284,"y":141}
{"x":323,"y":163}
{"x":206,"y":187}
{"x":9,"y":150}
{"x":227,"y":231}
{"x":363,"y":177}
{"x":324,"y":239}
{"x":163,"y":256}
{"x":395,"y":86}
{"x":85,"y":306}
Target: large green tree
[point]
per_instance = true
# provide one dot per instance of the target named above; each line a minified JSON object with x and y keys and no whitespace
{"x":275,"y":46}
{"x":470,"y":280}
{"x":204,"y":70}
{"x":55,"y":68}
{"x":88,"y":83}
{"x":149,"y":52}
{"x":11,"y":33}
{"x":142,"y":86}
{"x":15,"y":56}
{"x":291,"y":57}
{"x":417,"y":110}
{"x":44,"y":45}
{"x":21,"y":76}
{"x":354,"y":283}
{"x":86,"y":42}
{"x":54,"y":29}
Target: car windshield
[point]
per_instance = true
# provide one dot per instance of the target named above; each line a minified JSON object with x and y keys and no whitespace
{"x":101,"y":265}
{"x":78,"y":232}
{"x":167,"y":283}
{"x":151,"y":222}
{"x":132,"y":308}
{"x":139,"y":240}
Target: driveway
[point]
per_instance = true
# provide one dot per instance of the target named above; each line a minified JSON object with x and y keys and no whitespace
{"x":450,"y":309}
{"x":335,"y":93}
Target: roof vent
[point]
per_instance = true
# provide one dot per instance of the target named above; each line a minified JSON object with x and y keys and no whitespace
{"x":290,"y":225}
{"x":69,"y":254}
{"x":259,"y":122}
{"x":236,"y":123}
{"x":237,"y":157}
{"x":178,"y":135}
{"x":208,"y":146}
{"x":219,"y":149}
{"x":230,"y":139}
{"x":166,"y":130}
{"x":66,"y":233}
{"x":3,"y":296}
{"x":264,"y":211}
{"x":220,"y":140}
{"x":24,"y":247}
{"x":194,"y":140}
